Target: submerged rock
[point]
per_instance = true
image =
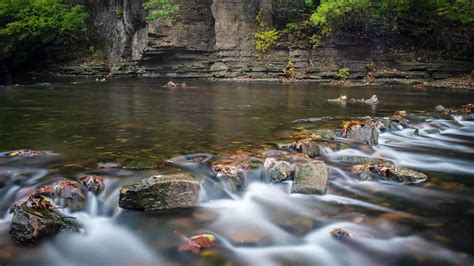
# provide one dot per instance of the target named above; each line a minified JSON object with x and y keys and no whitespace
{"x":278,"y":171}
{"x":34,"y":219}
{"x":313,"y":119}
{"x":25,"y":153}
{"x":371,"y":100}
{"x":354,"y":159}
{"x":465,"y":112}
{"x":340,"y":233}
{"x":387,"y":171}
{"x":342,"y":98}
{"x":161,"y":192}
{"x":311,"y":178}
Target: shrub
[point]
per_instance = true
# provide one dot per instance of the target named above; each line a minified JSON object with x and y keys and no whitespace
{"x":265,"y":40}
{"x":290,"y":70}
{"x":343,"y":73}
{"x":163,"y":11}
{"x":438,"y":24}
{"x":26,"y":25}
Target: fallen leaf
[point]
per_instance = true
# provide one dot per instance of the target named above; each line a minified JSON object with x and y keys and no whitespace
{"x":196,"y":243}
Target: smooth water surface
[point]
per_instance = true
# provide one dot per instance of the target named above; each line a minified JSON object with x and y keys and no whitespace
{"x":137,"y":124}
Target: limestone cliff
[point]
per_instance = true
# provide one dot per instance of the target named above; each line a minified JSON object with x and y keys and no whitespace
{"x":215,"y":39}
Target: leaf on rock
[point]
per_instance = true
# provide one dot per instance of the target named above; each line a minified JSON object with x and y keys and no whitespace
{"x":93,"y":183}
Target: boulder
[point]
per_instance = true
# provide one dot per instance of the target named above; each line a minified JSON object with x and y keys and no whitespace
{"x":387,"y":171}
{"x":406,"y":176}
{"x":278,"y":171}
{"x":311,"y":178}
{"x":365,"y":131}
{"x":161,"y":192}
{"x":308,"y":147}
{"x":365,"y":134}
{"x":34,"y":219}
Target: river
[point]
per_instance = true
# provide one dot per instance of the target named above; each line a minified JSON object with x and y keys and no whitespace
{"x":127,"y":129}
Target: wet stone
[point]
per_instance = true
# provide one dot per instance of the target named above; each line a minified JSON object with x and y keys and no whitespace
{"x":161,"y":192}
{"x":311,"y":178}
{"x":308,"y":147}
{"x":339,"y":233}
{"x":33,"y":221}
{"x":365,"y":134}
{"x":406,"y":176}
{"x":387,"y":171}
{"x":278,"y":171}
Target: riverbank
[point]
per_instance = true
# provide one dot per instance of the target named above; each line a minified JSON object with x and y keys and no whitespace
{"x":452,"y":75}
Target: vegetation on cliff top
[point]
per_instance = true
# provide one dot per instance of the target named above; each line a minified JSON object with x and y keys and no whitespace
{"x":27,"y":25}
{"x":163,"y":11}
{"x":427,"y":24}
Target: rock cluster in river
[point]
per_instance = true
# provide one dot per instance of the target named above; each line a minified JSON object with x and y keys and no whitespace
{"x":378,"y":169}
{"x":465,"y":112}
{"x":36,"y":217}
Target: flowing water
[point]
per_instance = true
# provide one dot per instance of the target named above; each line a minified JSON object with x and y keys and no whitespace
{"x":127,"y":129}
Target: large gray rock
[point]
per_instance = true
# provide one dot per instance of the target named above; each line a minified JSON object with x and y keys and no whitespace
{"x":308,"y":147}
{"x":311,"y":178}
{"x":30,"y":224}
{"x":367,"y":134}
{"x":161,"y":192}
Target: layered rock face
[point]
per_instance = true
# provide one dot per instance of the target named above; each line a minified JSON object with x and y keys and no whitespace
{"x":215,"y":39}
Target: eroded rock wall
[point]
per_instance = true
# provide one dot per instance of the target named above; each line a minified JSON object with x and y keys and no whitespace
{"x":215,"y":39}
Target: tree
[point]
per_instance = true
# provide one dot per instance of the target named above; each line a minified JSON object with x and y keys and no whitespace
{"x":27,"y":25}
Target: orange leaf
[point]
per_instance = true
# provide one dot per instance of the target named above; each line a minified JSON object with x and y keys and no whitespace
{"x":196,"y":243}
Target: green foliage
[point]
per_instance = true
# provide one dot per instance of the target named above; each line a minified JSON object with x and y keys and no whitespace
{"x":118,"y":11}
{"x":163,"y":11}
{"x":343,"y":73}
{"x":425,"y":22}
{"x":265,"y":40}
{"x":290,"y":70}
{"x":37,"y":22}
{"x":459,"y":11}
{"x":339,"y":15}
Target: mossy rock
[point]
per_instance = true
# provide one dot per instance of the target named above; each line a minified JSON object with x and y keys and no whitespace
{"x":161,"y":192}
